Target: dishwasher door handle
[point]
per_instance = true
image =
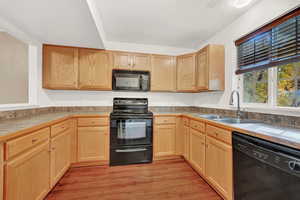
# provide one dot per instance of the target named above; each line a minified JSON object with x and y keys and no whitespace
{"x":130,"y":150}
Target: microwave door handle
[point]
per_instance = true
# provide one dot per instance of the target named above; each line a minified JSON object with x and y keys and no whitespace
{"x":141,"y":82}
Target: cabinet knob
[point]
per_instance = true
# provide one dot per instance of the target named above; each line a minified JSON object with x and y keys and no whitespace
{"x":34,"y":140}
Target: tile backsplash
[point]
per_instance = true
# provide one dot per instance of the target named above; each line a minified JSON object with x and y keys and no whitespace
{"x":279,"y":120}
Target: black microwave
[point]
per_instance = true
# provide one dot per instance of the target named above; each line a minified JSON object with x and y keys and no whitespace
{"x":130,"y":80}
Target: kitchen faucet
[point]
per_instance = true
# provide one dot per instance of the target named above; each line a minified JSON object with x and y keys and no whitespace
{"x":238,"y":111}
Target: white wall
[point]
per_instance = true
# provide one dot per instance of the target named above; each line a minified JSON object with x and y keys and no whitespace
{"x":260,"y":14}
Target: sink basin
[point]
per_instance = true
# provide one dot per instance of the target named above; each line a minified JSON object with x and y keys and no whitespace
{"x":236,"y":121}
{"x":209,"y":116}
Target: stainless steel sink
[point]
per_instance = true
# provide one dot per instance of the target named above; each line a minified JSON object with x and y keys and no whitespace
{"x":210,"y":116}
{"x":236,"y":121}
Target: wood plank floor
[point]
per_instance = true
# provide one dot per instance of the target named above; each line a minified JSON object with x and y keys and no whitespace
{"x":172,"y":179}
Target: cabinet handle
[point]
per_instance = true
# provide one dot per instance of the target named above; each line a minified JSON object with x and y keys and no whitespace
{"x":34,"y":140}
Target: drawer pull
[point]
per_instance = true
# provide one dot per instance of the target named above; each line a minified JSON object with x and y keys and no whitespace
{"x":34,"y":140}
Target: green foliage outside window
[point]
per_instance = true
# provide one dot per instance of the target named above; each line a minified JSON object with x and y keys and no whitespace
{"x":256,"y":87}
{"x":288,"y":85}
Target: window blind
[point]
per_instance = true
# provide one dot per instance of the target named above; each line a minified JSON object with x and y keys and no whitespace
{"x":273,"y":45}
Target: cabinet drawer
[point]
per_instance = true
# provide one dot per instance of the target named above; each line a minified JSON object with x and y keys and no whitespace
{"x":219,"y":133}
{"x":186,"y":121}
{"x":197,"y":125}
{"x":60,"y":127}
{"x":165,"y":120}
{"x":93,"y":121}
{"x":24,"y":143}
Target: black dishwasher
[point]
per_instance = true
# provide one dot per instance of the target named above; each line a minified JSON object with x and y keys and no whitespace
{"x":264,"y":170}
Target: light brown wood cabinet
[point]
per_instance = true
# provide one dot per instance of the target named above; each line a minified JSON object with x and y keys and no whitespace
{"x":60,"y":67}
{"x":210,"y":68}
{"x":93,"y":144}
{"x":27,"y":176}
{"x":60,"y":155}
{"x":163,"y":76}
{"x":186,"y":142}
{"x":219,"y":166}
{"x":186,"y":73}
{"x":131,"y":61}
{"x":95,"y":69}
{"x":197,"y":151}
{"x":164,"y":140}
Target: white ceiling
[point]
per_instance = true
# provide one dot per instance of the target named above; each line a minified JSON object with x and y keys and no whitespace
{"x":164,"y":23}
{"x":64,"y":22}
{"x":177,"y":23}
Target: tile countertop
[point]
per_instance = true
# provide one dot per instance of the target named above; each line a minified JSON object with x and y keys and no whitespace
{"x":15,"y":127}
{"x":277,"y":134}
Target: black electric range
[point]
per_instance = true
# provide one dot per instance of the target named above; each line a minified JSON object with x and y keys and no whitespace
{"x":131,"y":132}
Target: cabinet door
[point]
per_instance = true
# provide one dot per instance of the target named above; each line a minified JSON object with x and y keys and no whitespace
{"x":219,"y":166}
{"x":186,"y":73}
{"x":60,"y":67}
{"x":202,"y":69}
{"x":163,"y":76}
{"x":141,"y":62}
{"x":60,"y":156}
{"x":28,"y":175}
{"x":94,"y":69}
{"x":186,"y":138}
{"x":197,"y":151}
{"x":92,"y":144}
{"x":164,"y":140}
{"x":122,"y":60}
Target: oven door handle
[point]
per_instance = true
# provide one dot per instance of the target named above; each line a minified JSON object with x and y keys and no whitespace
{"x":130,"y":150}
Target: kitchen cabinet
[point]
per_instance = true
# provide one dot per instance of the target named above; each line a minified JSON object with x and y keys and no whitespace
{"x":60,"y":67}
{"x":95,"y":69}
{"x":197,"y":151}
{"x":27,"y":176}
{"x":60,"y":155}
{"x":179,"y":138}
{"x":164,"y":140}
{"x":131,"y":61}
{"x":163,"y":76}
{"x":74,"y":140}
{"x":210,"y":68}
{"x":186,"y":141}
{"x":186,"y":73}
{"x":219,"y":166}
{"x":93,"y":144}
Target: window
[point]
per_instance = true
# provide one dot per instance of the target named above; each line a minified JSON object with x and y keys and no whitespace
{"x":288,"y":85}
{"x":14,"y":59}
{"x":255,"y":87}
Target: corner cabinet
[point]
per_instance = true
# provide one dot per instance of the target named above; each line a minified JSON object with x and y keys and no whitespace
{"x":210,"y":68}
{"x":60,"y":67}
{"x":163,"y":76}
{"x":95,"y":69}
{"x":186,"y":73}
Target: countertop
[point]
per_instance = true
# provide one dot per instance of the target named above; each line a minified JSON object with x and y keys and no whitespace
{"x":15,"y":127}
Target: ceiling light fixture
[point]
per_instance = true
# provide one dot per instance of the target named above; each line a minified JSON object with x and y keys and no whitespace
{"x":241,"y":3}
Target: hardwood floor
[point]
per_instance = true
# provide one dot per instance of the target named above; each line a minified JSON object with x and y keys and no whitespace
{"x":172,"y":179}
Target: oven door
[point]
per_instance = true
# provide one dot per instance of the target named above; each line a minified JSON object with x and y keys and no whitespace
{"x":128,"y":132}
{"x":130,"y":80}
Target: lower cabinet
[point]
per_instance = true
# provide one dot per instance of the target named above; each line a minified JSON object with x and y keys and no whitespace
{"x":60,"y":156}
{"x":219,"y":166}
{"x":28,"y":175}
{"x":93,"y":144}
{"x":197,"y":151}
{"x":164,"y":140}
{"x":186,"y":142}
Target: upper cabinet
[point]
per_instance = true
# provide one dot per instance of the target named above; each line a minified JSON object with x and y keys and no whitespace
{"x":163,"y":76}
{"x":186,"y":73}
{"x":210,"y":68}
{"x":94,"y":69}
{"x":131,"y":61}
{"x":60,"y":67}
